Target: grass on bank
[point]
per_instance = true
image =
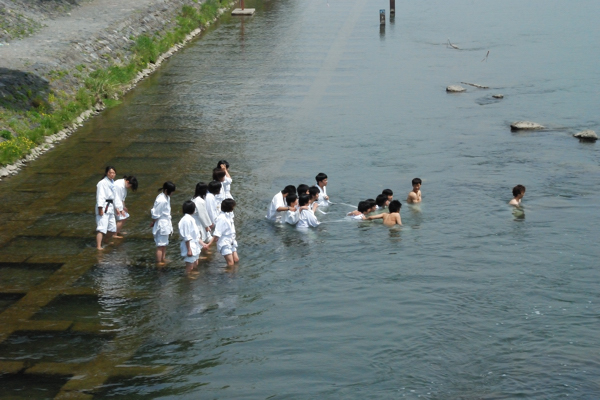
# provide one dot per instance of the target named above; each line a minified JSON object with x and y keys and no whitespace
{"x":49,"y":116}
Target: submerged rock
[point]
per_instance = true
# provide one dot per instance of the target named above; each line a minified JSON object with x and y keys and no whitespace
{"x":455,"y":89}
{"x":586,"y":136}
{"x":525,"y":125}
{"x":498,"y":96}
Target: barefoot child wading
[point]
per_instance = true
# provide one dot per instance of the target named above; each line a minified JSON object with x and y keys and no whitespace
{"x":191,"y":244}
{"x":224,"y":233}
{"x":121,"y":186}
{"x":161,"y":224}
{"x":106,"y":224}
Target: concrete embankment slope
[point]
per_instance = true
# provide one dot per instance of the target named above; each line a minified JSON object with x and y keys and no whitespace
{"x":52,"y":80}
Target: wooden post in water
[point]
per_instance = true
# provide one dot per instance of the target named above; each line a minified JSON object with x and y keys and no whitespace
{"x":242,"y":10}
{"x":392,"y":7}
{"x":381,"y":17}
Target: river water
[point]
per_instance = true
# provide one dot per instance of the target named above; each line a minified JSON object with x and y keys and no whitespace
{"x":466,"y":300}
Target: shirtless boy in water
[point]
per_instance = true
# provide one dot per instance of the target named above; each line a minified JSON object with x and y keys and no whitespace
{"x":518,"y":193}
{"x":393,"y":217}
{"x":415,"y":195}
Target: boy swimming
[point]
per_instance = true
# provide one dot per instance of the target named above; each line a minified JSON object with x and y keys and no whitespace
{"x":364,"y":207}
{"x":393,"y":217}
{"x":381,"y":201}
{"x":415,"y":194}
{"x":389,"y":193}
{"x":518,"y":193}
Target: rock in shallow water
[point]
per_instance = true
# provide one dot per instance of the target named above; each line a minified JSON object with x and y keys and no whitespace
{"x":455,"y":89}
{"x":525,"y":125}
{"x":498,"y":96}
{"x":587,"y":135}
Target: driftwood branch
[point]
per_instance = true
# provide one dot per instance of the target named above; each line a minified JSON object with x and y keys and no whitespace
{"x":476,"y":85}
{"x":451,"y":45}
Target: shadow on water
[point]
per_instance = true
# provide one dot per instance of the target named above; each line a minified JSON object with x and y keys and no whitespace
{"x":21,"y":91}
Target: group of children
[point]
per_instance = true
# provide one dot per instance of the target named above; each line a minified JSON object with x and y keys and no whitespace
{"x":207,"y":219}
{"x":297,"y":206}
{"x":208,"y":216}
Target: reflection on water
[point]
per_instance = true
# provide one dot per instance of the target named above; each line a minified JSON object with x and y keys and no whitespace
{"x":437,"y":308}
{"x":518,"y":213}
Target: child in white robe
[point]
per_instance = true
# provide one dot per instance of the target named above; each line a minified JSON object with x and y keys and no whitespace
{"x":278,"y":206}
{"x":201,"y":214}
{"x":121,"y":186}
{"x":212,"y":203}
{"x":306,"y":216}
{"x":191,"y":244}
{"x":291,"y":216}
{"x":226,"y":182}
{"x":161,"y":221}
{"x":224,"y":233}
{"x":219,"y":176}
{"x":321,"y":179}
{"x":106,"y":225}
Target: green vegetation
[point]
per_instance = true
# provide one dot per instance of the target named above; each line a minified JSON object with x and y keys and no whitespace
{"x":48,"y":116}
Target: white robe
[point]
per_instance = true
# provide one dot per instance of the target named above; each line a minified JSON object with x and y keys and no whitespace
{"x":278,"y":201}
{"x":212,"y":207}
{"x":322,"y":201}
{"x":226,"y":188}
{"x":105,"y":190}
{"x":225,"y":230}
{"x":291,"y":217}
{"x":359,"y":217}
{"x":307,"y":218}
{"x":161,"y":212}
{"x":189,"y":233}
{"x":201,"y":217}
{"x":120,"y":195}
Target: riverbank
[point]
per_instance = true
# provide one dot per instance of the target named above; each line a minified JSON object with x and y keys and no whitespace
{"x":81,"y":63}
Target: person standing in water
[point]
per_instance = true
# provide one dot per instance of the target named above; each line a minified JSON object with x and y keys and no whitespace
{"x":106,"y":225}
{"x":278,"y":206}
{"x":191,"y":243}
{"x":201,"y":216}
{"x":224,"y":233}
{"x":321,"y":179}
{"x":518,"y":193}
{"x":226,"y":182}
{"x":393,"y":217}
{"x":121,"y":186}
{"x":161,"y":221}
{"x":415,"y":194}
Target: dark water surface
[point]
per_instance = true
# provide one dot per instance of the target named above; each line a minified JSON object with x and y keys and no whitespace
{"x":466,"y":300}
